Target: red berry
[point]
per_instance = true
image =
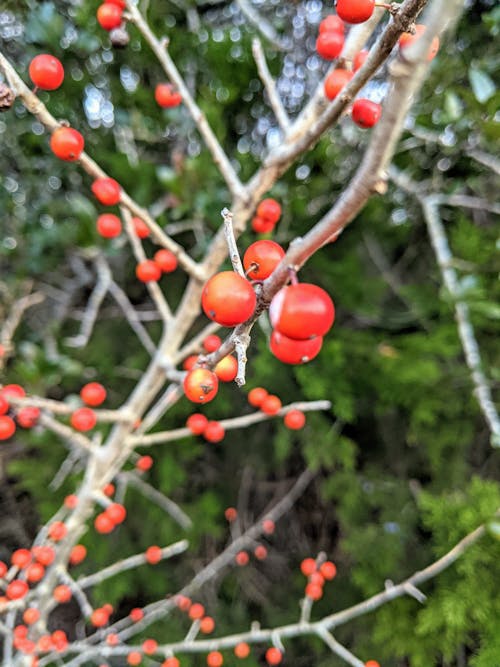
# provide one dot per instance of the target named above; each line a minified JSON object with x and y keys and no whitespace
{"x":3,"y":569}
{"x":308,"y":566}
{"x":295,"y":420}
{"x":215,"y":659}
{"x":359,"y":59}
{"x":335,"y":81}
{"x":149,"y":646}
{"x":200,"y":385}
{"x":136,"y":614}
{"x":366,"y":113}
{"x":317,"y":579}
{"x":62,"y":593}
{"x":256,"y":396}
{"x":107,"y":191}
{"x":83,"y":419}
{"x":46,"y":72}
{"x":35,"y":572}
{"x":355,"y":11}
{"x":166,"y":96}
{"x":273,"y":656}
{"x":196,"y":611}
{"x":182,"y":602}
{"x":171,"y":662}
{"x":109,"y":490}
{"x":302,"y":311}
{"x":59,"y":640}
{"x":407,"y":39}
{"x":261,"y":226}
{"x":67,"y":144}
{"x":293,"y":351}
{"x":134,"y":658}
{"x":268,"y":526}
{"x":153,"y":555}
{"x":120,"y":3}
{"x":166,"y":260}
{"x":31,"y":615}
{"x":144,"y":463}
{"x":372,"y":663}
{"x":211,"y":343}
{"x":28,"y":417}
{"x":99,"y":617}
{"x":103,"y":524}
{"x":261,"y":258}
{"x":328,"y":570}
{"x":4,"y":405}
{"x":332,"y":23}
{"x":231,"y":514}
{"x":109,"y":225}
{"x":44,"y":555}
{"x":207,"y":625}
{"x":78,"y":554}
{"x":57,"y":531}
{"x":242,"y":558}
{"x":148,"y":271}
{"x":16,"y":589}
{"x":271,"y":405}
{"x":7,"y":427}
{"x":189,"y":362}
{"x":228,"y":299}
{"x":93,"y":394}
{"x":214,"y":432}
{"x":116,"y":512}
{"x":242,"y":650}
{"x":269,"y":210}
{"x":260,"y":552}
{"x":329,"y":44}
{"x":227,"y":369}
{"x":21,"y":558}
{"x":14,"y":390}
{"x":140,"y":228}
{"x":109,"y":16}
{"x":314,"y":591}
{"x":196,"y":423}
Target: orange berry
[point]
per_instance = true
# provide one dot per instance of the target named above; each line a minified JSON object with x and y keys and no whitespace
{"x":328,"y":570}
{"x":215,"y":659}
{"x":273,"y":656}
{"x":153,"y":555}
{"x":207,"y":625}
{"x":196,"y":611}
{"x":149,"y":646}
{"x":134,"y":658}
{"x":268,"y":526}
{"x":62,"y":593}
{"x":314,"y":591}
{"x":231,"y":514}
{"x":31,"y":615}
{"x":242,"y":558}
{"x":256,"y":396}
{"x":136,"y":614}
{"x":260,"y":552}
{"x":308,"y":566}
{"x":242,"y":650}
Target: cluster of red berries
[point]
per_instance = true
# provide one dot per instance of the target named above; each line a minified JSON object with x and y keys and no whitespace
{"x":266,"y":216}
{"x":110,"y":14}
{"x":301,"y":314}
{"x":57,"y":641}
{"x":25,"y":417}
{"x":114,"y":514}
{"x":211,"y":430}
{"x":271,"y":405}
{"x":330,"y":41}
{"x":84,"y":419}
{"x":242,"y":558}
{"x":317,"y":575}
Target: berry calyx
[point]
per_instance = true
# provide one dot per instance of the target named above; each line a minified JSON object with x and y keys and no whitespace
{"x":109,"y":15}
{"x":335,"y":81}
{"x":109,"y":225}
{"x":200,"y":385}
{"x":273,"y":656}
{"x":196,"y":423}
{"x":46,"y":72}
{"x":228,"y":299}
{"x":166,"y":260}
{"x":302,"y":311}
{"x":93,"y":394}
{"x":106,"y":190}
{"x":295,"y":420}
{"x":214,"y":432}
{"x":355,"y":11}
{"x":293,"y":351}
{"x":148,"y":271}
{"x":366,"y":113}
{"x":67,"y":144}
{"x":166,"y":96}
{"x":261,"y":258}
{"x":83,"y":419}
{"x":329,"y":44}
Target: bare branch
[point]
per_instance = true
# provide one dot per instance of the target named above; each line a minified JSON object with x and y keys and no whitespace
{"x":269,"y":85}
{"x":234,"y":255}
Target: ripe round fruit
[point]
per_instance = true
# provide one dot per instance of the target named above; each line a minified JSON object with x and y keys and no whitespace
{"x":153,"y":555}
{"x":214,"y":432}
{"x":166,"y":260}
{"x":329,"y":44}
{"x":109,"y":16}
{"x":268,"y":526}
{"x":31,"y":615}
{"x":335,"y":81}
{"x":295,"y":420}
{"x":215,"y":659}
{"x":211,"y":343}
{"x":332,"y":23}
{"x":196,"y":611}
{"x":116,"y":512}
{"x":196,"y":423}
{"x":134,"y":658}
{"x":78,"y":554}
{"x":14,"y":390}
{"x":46,"y":72}
{"x":302,"y":311}
{"x":308,"y":567}
{"x":62,"y":593}
{"x":242,"y":650}
{"x":372,"y":663}
{"x":359,"y":59}
{"x":207,"y":625}
{"x":103,"y":524}
{"x":227,"y":368}
{"x":149,"y":646}
{"x":71,"y":501}
{"x":182,"y":602}
{"x":269,"y":210}
{"x":328,"y":570}
{"x":366,"y":113}
{"x":44,"y":554}
{"x":7,"y":427}
{"x":256,"y":396}
{"x":144,"y":463}
{"x":99,"y":617}
{"x":93,"y":393}
{"x":271,"y":405}
{"x":355,"y":11}
{"x":35,"y":572}
{"x":4,"y":405}
{"x":106,"y":190}
{"x":189,"y":362}
{"x":407,"y":39}
{"x":28,"y":417}
{"x":228,"y":299}
{"x":16,"y":589}
{"x":261,"y":226}
{"x":242,"y":558}
{"x":136,"y":614}
{"x":3,"y":569}
{"x":171,"y":662}
{"x":200,"y":385}
{"x":109,"y":225}
{"x":83,"y":419}
{"x":273,"y":656}
{"x":260,"y":552}
{"x":57,"y":531}
{"x":67,"y":144}
{"x":148,"y":271}
{"x":293,"y":351}
{"x":166,"y":96}
{"x":140,"y":228}
{"x":261,"y":258}
{"x":314,"y":591}
{"x":21,"y":558}
{"x":231,"y":514}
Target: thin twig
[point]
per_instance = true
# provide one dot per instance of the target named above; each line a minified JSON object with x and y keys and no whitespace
{"x":234,"y":255}
{"x":269,"y":84}
{"x":339,"y":650}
